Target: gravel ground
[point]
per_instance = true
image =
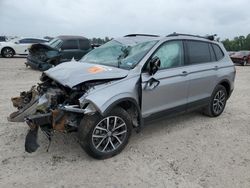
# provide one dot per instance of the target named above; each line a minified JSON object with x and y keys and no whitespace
{"x":190,"y":150}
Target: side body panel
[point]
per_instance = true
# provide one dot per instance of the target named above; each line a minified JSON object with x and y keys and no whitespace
{"x":170,"y":93}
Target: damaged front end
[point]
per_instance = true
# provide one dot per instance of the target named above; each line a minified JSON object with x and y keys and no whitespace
{"x":51,"y":107}
{"x":42,"y":57}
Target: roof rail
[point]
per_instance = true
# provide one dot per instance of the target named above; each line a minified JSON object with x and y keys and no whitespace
{"x":209,"y":37}
{"x":145,"y":35}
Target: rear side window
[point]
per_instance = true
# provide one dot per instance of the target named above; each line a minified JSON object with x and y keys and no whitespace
{"x":198,"y":52}
{"x":213,"y":58}
{"x":23,"y":41}
{"x":218,"y":52}
{"x":70,"y":44}
{"x":84,"y":44}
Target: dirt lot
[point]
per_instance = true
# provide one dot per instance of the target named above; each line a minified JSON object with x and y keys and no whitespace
{"x":190,"y":150}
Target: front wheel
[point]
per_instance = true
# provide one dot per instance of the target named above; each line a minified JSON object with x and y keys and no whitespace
{"x":104,"y":137}
{"x":217,"y":102}
{"x":8,"y":52}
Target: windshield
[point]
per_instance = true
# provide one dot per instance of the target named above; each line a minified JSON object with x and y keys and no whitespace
{"x":116,"y":54}
{"x":55,"y":43}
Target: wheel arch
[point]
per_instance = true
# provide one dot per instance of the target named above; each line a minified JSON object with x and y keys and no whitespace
{"x":227,"y":86}
{"x":126,"y":103}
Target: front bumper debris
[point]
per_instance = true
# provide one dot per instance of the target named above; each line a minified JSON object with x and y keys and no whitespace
{"x":34,"y":122}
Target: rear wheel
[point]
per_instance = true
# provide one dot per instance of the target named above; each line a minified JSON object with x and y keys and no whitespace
{"x":7,"y":52}
{"x":103,"y":137}
{"x":217,"y":102}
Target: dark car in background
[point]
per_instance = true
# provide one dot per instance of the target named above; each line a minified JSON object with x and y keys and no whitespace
{"x":3,"y":38}
{"x":59,"y":50}
{"x":241,"y":57}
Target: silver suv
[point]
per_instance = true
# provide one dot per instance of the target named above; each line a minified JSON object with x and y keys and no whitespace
{"x":124,"y":83}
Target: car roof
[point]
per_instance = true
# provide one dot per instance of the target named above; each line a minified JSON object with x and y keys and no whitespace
{"x":133,"y":39}
{"x":67,"y":37}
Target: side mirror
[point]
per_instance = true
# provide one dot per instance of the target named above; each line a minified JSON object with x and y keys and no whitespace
{"x":154,"y":65}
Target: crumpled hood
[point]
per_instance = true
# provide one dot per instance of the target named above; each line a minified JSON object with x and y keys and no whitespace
{"x":35,"y":47}
{"x":73,"y":73}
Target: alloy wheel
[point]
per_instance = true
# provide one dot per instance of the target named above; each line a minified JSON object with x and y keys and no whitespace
{"x":219,"y":102}
{"x":109,"y":134}
{"x":8,"y":52}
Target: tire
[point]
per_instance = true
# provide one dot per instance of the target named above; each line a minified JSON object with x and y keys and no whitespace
{"x":7,"y":52}
{"x":217,"y":102}
{"x":101,"y":141}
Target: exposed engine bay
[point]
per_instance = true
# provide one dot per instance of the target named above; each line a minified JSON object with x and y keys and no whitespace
{"x":52,"y":107}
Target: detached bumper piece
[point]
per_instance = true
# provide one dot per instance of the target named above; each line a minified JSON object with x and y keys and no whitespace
{"x":34,"y":122}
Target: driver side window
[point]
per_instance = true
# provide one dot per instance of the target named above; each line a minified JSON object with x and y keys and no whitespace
{"x":170,"y":54}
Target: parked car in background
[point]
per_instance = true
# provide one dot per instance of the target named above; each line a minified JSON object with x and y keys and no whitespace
{"x":3,"y":39}
{"x":241,"y":57}
{"x":58,"y":50}
{"x":18,"y":46}
{"x":230,"y":53}
{"x":124,"y":83}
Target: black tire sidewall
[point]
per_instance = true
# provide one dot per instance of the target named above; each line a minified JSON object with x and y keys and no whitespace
{"x":88,"y":125}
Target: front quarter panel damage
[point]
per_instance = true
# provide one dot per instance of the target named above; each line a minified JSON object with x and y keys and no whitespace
{"x":105,"y":95}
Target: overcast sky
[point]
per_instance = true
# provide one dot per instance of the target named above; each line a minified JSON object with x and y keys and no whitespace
{"x":100,"y":18}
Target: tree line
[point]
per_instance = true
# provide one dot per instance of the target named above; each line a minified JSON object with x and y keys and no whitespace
{"x":237,"y":43}
{"x":100,"y":40}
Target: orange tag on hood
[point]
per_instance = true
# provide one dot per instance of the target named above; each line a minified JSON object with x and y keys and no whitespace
{"x":96,"y":69}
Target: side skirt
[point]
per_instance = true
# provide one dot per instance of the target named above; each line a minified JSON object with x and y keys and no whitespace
{"x":176,"y":111}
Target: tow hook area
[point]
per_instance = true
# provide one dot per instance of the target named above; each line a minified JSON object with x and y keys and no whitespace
{"x":34,"y":122}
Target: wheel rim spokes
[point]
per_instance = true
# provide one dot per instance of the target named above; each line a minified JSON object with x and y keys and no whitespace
{"x":8,"y":53}
{"x":219,"y":101}
{"x":109,"y":134}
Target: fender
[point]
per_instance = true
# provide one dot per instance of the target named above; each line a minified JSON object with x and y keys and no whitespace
{"x":133,"y":101}
{"x":228,"y":86}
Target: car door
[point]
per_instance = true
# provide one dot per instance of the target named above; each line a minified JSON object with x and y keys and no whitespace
{"x":21,"y":46}
{"x":69,"y":50}
{"x":167,"y":88}
{"x":202,"y":70}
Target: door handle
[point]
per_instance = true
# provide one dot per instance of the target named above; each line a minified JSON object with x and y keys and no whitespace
{"x":184,"y":73}
{"x":216,"y":67}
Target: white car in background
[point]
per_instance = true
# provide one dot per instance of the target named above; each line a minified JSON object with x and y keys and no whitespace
{"x":18,"y":46}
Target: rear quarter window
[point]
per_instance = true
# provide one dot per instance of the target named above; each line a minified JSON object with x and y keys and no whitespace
{"x":218,"y":52}
{"x":198,"y":52}
{"x":70,"y":44}
{"x":84,"y":44}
